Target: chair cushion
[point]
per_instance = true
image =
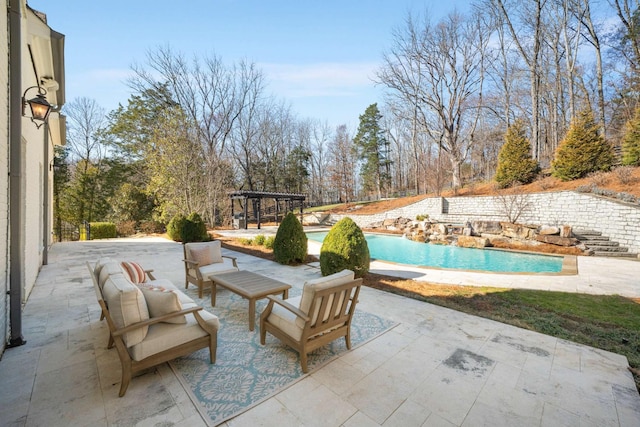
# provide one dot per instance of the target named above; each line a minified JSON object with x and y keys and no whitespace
{"x":205,"y":253}
{"x":312,"y":286}
{"x":126,"y":306}
{"x":161,"y":300}
{"x":163,"y":336}
{"x":285,"y":320}
{"x":225,"y":266}
{"x":134,"y":272}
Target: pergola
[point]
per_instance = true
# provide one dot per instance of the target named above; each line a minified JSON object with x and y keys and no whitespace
{"x":256,"y":196}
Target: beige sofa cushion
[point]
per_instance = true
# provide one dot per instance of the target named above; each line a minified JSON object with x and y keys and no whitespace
{"x":101,"y":263}
{"x":162,"y":336}
{"x":126,"y":305}
{"x":110,"y":268}
{"x":162,"y":300}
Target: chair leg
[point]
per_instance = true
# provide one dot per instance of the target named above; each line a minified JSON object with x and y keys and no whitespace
{"x":110,"y":343}
{"x":303,"y":362}
{"x":213,"y":347}
{"x":263,"y":333}
{"x":126,"y":379}
{"x":347,"y":339}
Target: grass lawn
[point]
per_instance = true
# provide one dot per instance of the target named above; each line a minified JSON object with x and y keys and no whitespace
{"x":610,"y":323}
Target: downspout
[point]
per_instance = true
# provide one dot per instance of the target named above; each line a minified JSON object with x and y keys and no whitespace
{"x":45,"y":197}
{"x":15,"y":180}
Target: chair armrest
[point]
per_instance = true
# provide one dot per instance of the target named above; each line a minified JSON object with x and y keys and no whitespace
{"x":233,"y":260}
{"x":154,"y":320}
{"x":190,"y":263}
{"x":151,"y":276}
{"x":291,"y":308}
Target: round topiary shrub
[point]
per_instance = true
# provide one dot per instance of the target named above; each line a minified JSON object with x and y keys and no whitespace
{"x":194,"y":229}
{"x":290,"y":244}
{"x":344,"y":248}
{"x":175,"y":226}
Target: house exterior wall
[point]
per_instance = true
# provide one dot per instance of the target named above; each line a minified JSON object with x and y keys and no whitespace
{"x":618,"y":220}
{"x":4,"y":173}
{"x":40,"y":63}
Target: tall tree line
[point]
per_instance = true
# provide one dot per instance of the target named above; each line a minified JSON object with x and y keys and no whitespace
{"x":197,"y":128}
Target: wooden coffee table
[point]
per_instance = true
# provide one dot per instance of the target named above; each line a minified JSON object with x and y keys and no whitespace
{"x":250,"y":286}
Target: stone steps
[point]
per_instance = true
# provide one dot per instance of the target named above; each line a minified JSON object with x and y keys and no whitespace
{"x":615,"y":254}
{"x":601,"y":245}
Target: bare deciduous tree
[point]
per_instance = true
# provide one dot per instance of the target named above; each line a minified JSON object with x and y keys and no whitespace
{"x":439,"y":69}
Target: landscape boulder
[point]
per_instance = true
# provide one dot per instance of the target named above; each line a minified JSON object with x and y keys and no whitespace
{"x":488,"y":227}
{"x":473,"y":242}
{"x":549,"y":230}
{"x":517,"y":231}
{"x":557,"y":240}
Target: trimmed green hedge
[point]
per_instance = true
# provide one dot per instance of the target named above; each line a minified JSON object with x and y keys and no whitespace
{"x":102,"y":230}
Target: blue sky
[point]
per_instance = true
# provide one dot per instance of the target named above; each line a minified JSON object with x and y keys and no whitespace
{"x":320,"y":56}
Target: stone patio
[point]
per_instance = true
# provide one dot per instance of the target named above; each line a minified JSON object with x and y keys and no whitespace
{"x":438,"y":367}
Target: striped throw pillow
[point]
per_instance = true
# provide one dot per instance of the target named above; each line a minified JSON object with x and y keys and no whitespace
{"x":134,"y":272}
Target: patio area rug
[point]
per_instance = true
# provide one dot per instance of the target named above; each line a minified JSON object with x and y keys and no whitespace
{"x":245,"y":372}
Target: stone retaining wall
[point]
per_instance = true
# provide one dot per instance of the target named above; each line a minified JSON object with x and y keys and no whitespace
{"x":618,"y":220}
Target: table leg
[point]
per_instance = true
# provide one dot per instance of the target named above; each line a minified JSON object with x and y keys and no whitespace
{"x":252,"y":313}
{"x":285,"y":294}
{"x":213,"y":293}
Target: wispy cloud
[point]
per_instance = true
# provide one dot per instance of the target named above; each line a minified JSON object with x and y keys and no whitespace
{"x":320,"y":79}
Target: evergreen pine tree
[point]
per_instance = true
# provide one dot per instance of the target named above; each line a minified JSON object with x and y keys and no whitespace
{"x":631,"y":141}
{"x":374,"y":151}
{"x":515,"y":164}
{"x":583,"y":150}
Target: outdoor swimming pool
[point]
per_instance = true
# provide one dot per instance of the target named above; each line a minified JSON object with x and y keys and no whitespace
{"x":404,"y":251}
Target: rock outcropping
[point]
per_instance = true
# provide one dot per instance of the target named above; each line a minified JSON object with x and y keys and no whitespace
{"x":477,"y":234}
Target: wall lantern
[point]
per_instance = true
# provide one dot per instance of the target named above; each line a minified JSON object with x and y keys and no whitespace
{"x":39,"y":106}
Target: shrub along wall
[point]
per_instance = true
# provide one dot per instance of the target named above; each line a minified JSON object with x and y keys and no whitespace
{"x":618,"y":220}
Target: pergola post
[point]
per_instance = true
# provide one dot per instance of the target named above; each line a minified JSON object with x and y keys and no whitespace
{"x":246,"y":222}
{"x":258,"y":208}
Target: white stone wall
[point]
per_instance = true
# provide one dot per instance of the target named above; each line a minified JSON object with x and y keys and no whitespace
{"x":618,"y":220}
{"x":4,"y":174}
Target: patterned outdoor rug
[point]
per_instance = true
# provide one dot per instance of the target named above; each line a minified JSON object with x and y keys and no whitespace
{"x":245,"y":372}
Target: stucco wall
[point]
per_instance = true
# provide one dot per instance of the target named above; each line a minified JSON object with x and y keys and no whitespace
{"x":618,"y":220}
{"x":4,"y":171}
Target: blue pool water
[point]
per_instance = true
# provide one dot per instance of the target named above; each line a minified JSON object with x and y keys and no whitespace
{"x":405,"y":251}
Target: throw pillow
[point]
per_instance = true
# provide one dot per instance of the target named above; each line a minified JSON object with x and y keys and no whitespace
{"x":161,"y":301}
{"x":202,"y":255}
{"x":134,"y":272}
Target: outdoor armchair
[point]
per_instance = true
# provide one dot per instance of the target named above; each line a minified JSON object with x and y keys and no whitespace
{"x":202,"y":259}
{"x":322,"y":314}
